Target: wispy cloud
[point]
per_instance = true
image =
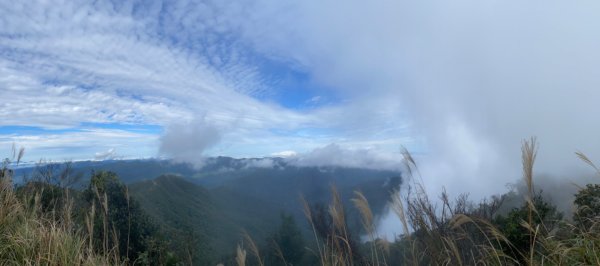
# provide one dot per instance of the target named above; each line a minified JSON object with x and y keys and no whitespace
{"x":472,"y":78}
{"x":460,"y":81}
{"x":106,"y":155}
{"x":81,"y":144}
{"x":188,"y":141}
{"x":336,"y":155}
{"x":64,"y":65}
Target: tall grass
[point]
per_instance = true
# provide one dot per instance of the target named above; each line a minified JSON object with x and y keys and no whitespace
{"x":458,"y":232}
{"x":31,"y":236}
{"x":332,"y":236}
{"x":440,"y":231}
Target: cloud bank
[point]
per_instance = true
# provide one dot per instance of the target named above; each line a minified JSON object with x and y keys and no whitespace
{"x":63,"y":66}
{"x":473,"y":78}
{"x":461,"y":82}
{"x":335,"y":155}
{"x":110,"y":154}
{"x":187,"y":142}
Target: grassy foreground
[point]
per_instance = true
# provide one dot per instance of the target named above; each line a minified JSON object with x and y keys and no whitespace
{"x":31,"y":236}
{"x":83,"y":230}
{"x":459,"y":232}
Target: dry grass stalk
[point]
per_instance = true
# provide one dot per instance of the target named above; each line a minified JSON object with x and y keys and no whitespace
{"x":339,"y":234}
{"x":398,"y":208}
{"x":240,"y":257}
{"x":587,"y":160}
{"x":28,"y":236}
{"x":308,"y":214}
{"x":336,"y":210}
{"x":528,"y":156}
{"x":409,"y":162}
{"x":253,"y":248}
{"x":411,"y":167}
{"x":362,"y":204}
{"x":128,"y":220}
{"x":89,"y":221}
{"x":279,"y":252}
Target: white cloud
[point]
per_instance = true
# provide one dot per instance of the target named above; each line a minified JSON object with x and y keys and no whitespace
{"x":106,"y":155}
{"x":63,"y":65}
{"x":284,"y":154}
{"x":432,"y":75}
{"x":135,"y":76}
{"x":335,"y":155}
{"x":463,"y":81}
{"x":259,"y":163}
{"x":188,"y":142}
{"x":81,"y":145}
{"x":472,"y":78}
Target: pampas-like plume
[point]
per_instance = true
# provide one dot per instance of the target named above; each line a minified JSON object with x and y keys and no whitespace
{"x":240,"y":258}
{"x":362,"y":204}
{"x":587,"y":160}
{"x":528,"y":155}
{"x":253,"y":248}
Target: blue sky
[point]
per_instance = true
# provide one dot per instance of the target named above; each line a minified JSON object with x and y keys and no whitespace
{"x":86,"y":79}
{"x":459,"y":82}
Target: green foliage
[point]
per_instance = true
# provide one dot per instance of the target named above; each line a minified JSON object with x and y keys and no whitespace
{"x":33,"y":235}
{"x":121,"y":222}
{"x":587,"y":201}
{"x":227,"y":197}
{"x":513,"y":225}
{"x":186,"y":213}
{"x":51,"y":197}
{"x":42,"y":223}
{"x":287,"y":245}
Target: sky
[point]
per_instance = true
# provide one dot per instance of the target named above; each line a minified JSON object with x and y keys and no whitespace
{"x":459,"y":83}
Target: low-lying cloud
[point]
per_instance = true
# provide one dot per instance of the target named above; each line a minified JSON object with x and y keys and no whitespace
{"x":259,"y":163}
{"x":473,"y":78}
{"x":336,"y":155}
{"x":469,"y":78}
{"x":187,"y":142}
{"x":106,"y":155}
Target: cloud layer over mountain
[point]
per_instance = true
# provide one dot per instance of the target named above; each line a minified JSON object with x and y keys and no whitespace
{"x":461,"y":83}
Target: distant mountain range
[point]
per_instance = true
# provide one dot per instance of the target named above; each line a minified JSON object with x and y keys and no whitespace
{"x":214,"y":203}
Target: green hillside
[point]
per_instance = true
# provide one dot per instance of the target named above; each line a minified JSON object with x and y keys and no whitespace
{"x":202,"y":213}
{"x":214,"y":219}
{"x":280,"y":189}
{"x":202,"y":225}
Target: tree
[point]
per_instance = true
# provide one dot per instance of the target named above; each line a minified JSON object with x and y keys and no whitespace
{"x":588,"y":206}
{"x":287,"y":244}
{"x":545,"y":215}
{"x":119,"y":220}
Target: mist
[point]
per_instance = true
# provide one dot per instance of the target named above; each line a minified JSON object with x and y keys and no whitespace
{"x":336,"y":155}
{"x":473,"y":78}
{"x":187,"y":142}
{"x":461,"y":84}
{"x":106,"y":155}
{"x":216,"y":115}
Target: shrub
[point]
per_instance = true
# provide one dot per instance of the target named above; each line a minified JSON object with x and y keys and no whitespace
{"x":587,"y":201}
